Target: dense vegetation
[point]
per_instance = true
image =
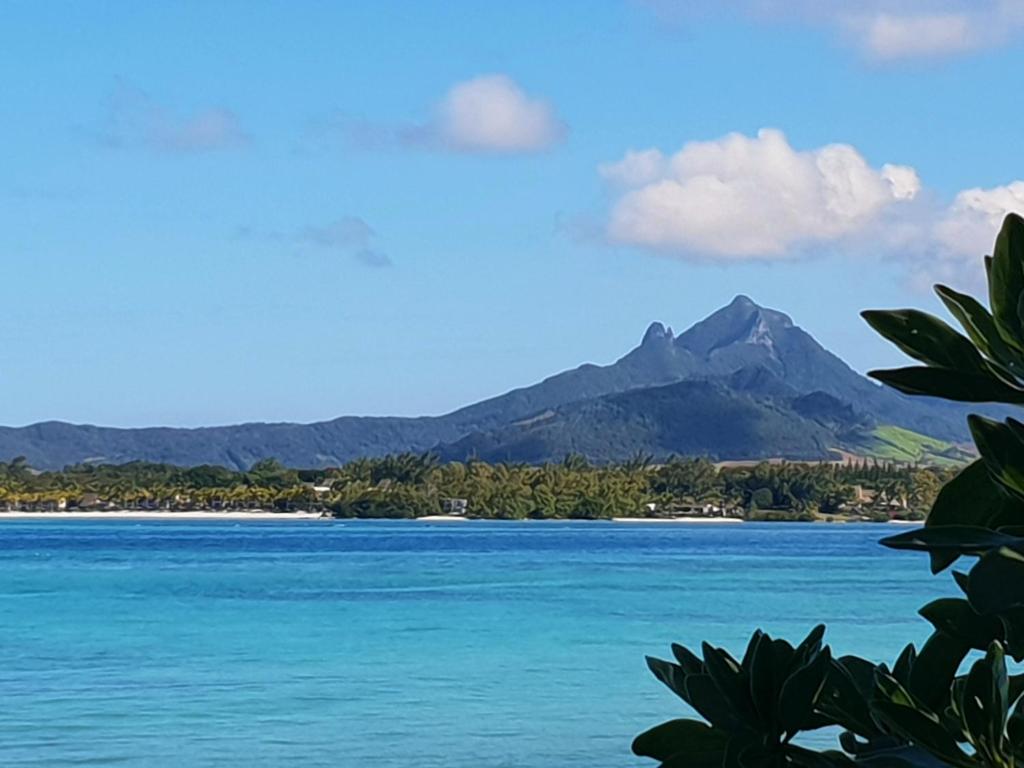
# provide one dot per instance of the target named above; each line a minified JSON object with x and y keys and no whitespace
{"x":416,"y":485}
{"x":953,"y":702}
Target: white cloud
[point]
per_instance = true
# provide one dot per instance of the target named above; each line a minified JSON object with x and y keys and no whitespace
{"x":750,"y":198}
{"x":635,"y":169}
{"x":965,"y":231}
{"x":492,"y":113}
{"x":134,"y":119}
{"x":741,"y":198}
{"x":486,"y":114}
{"x":888,"y":36}
{"x":883,"y":30}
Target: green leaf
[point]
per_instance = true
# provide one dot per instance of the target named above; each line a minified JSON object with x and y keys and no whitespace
{"x":704,"y":696}
{"x":949,"y":384}
{"x":748,"y":654}
{"x":844,"y":699}
{"x":1006,"y":279}
{"x":996,"y":583}
{"x":955,"y":617}
{"x":958,"y":539}
{"x":731,"y":681}
{"x":1015,"y":724}
{"x":972,"y":497}
{"x":689,"y":661}
{"x":801,"y":690}
{"x":809,"y":646}
{"x":668,"y":739}
{"x":922,"y":729}
{"x":1012,"y":621}
{"x":672,"y":675}
{"x":763,"y":691}
{"x":980,"y":326}
{"x":901,"y":669}
{"x":935,"y":667}
{"x":1002,"y":450}
{"x":926,"y":338}
{"x":985,"y":701}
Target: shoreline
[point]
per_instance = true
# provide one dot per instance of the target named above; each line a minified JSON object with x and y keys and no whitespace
{"x":703,"y":520}
{"x":129,"y":514}
{"x":262,"y":515}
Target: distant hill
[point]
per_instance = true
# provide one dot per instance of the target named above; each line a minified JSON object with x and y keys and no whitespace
{"x":745,"y":382}
{"x":688,"y":417}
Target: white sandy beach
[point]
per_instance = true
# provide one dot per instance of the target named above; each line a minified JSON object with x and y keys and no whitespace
{"x":677,"y":520}
{"x":129,"y":514}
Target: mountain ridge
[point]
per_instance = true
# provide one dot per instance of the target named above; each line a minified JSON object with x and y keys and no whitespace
{"x":743,"y":361}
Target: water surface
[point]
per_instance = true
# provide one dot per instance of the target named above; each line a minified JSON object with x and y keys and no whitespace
{"x":390,"y":644}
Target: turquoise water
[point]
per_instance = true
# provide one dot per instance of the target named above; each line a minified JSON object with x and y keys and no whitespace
{"x":398,"y":644}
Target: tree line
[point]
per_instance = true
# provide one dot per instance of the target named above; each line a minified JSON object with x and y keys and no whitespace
{"x":417,"y":485}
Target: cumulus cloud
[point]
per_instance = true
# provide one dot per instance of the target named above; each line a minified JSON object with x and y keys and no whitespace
{"x":741,"y":198}
{"x":964,"y":232}
{"x":883,"y":30}
{"x":749,"y":198}
{"x":486,"y":114}
{"x":134,"y":119}
{"x":493,"y":114}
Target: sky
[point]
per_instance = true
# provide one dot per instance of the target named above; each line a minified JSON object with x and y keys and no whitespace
{"x":215,"y":212}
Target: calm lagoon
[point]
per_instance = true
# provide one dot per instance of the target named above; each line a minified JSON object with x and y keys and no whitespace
{"x":390,"y":644}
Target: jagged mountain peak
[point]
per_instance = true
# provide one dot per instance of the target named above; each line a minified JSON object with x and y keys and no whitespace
{"x":656,"y":332}
{"x":742,"y":321}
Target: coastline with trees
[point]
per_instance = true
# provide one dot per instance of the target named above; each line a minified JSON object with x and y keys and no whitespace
{"x":418,"y":486}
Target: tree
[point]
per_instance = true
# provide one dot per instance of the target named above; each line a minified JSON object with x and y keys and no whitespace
{"x":921,"y":709}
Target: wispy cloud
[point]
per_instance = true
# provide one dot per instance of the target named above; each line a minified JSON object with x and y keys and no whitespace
{"x":135,"y":120}
{"x":882,"y":30}
{"x":741,"y":198}
{"x":490,"y":114}
{"x":348,"y":236}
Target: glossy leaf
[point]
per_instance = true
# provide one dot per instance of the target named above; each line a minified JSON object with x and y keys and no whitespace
{"x":672,"y":675}
{"x":955,"y":617}
{"x":980,"y":326}
{"x":926,"y":338}
{"x":844,"y":698}
{"x":705,"y":697}
{"x":689,"y":661}
{"x":675,"y":736}
{"x":730,"y":680}
{"x":1002,"y":450}
{"x":1006,"y":279}
{"x":924,"y":730}
{"x":801,"y":690}
{"x":996,"y":583}
{"x":949,"y":384}
{"x":959,"y":539}
{"x":935,"y":667}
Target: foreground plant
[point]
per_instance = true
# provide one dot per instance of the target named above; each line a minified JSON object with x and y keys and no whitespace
{"x":922,"y":711}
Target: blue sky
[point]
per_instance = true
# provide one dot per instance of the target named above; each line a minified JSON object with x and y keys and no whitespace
{"x":213,"y":212}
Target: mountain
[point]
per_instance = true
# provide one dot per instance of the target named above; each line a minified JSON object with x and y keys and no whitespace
{"x":745,"y":382}
{"x":689,"y":417}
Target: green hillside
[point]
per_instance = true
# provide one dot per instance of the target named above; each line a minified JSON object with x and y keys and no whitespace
{"x":897,"y":444}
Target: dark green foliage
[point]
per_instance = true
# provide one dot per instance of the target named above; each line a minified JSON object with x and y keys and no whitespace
{"x":416,"y":485}
{"x":926,"y":708}
{"x":753,"y":707}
